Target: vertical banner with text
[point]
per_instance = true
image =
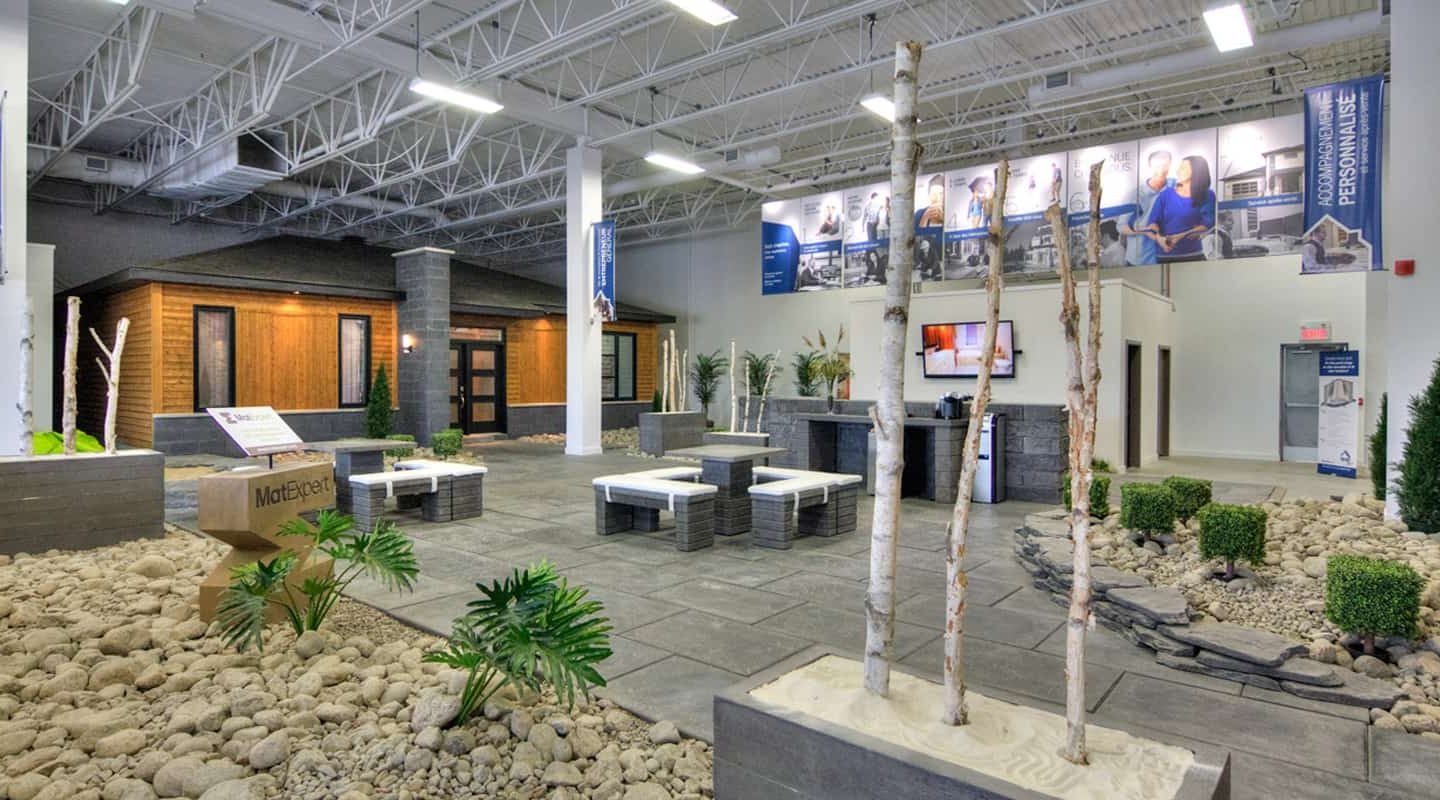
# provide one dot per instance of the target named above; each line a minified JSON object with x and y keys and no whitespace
{"x":1342,"y":177}
{"x":1339,"y":438}
{"x":603,"y":234}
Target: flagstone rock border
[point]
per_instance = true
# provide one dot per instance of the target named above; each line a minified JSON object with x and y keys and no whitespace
{"x":1159,"y":619}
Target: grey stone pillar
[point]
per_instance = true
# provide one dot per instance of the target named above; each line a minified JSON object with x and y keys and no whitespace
{"x":423,"y":274}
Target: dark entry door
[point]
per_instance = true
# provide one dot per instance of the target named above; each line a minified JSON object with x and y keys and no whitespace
{"x":1162,"y":409}
{"x":477,"y":387}
{"x":1132,"y":405}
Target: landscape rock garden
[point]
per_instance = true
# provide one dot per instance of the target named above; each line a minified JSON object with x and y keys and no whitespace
{"x":111,"y":688}
{"x":1267,"y":625}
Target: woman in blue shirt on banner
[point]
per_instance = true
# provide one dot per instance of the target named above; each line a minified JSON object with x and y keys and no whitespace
{"x":1184,"y":214}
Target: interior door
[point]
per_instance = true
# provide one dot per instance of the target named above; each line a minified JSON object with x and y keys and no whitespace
{"x":1132,"y":406}
{"x":1300,"y":400}
{"x":1162,"y":405}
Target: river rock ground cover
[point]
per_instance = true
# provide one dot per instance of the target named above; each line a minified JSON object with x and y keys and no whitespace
{"x":1286,"y":593}
{"x":111,"y":688}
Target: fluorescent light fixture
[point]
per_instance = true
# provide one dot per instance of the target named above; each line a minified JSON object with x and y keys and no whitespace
{"x":677,"y":164}
{"x":880,"y":105}
{"x":454,"y":96}
{"x":1229,"y":27}
{"x":707,"y":11}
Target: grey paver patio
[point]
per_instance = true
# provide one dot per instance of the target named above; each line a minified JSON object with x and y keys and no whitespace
{"x":676,"y":688}
{"x":842,"y":629}
{"x":727,"y":644}
{"x":727,"y":600}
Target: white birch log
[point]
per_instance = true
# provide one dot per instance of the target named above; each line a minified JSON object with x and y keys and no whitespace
{"x":24,"y":403}
{"x":889,"y":410}
{"x":955,"y":712}
{"x":664,"y":376}
{"x":765,"y":393}
{"x":744,"y":417}
{"x":72,"y":347}
{"x":112,"y":378}
{"x":734,"y":405}
{"x":684,"y":368}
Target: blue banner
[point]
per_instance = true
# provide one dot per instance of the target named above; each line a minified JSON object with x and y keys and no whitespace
{"x":1339,"y":418}
{"x":780,"y":258}
{"x":603,"y":235}
{"x":1342,"y":177}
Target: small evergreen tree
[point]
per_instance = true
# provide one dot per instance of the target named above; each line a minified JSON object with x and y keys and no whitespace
{"x":378,"y":415}
{"x":1378,"y":460}
{"x":1418,"y":486}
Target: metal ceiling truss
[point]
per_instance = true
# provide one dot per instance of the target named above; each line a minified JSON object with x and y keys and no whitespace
{"x":106,"y":80}
{"x":353,"y":21}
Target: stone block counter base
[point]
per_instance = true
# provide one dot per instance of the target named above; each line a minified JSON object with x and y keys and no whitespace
{"x":670,"y":430}
{"x":82,"y":501}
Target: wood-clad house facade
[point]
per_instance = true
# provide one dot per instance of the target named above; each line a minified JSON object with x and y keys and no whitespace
{"x":303,"y":326}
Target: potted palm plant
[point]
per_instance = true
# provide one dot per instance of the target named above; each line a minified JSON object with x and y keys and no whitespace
{"x":831,"y":365}
{"x":705,"y":375}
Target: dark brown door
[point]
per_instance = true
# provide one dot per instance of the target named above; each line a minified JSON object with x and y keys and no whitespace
{"x":1132,"y":405}
{"x":477,"y":387}
{"x":1162,"y":405}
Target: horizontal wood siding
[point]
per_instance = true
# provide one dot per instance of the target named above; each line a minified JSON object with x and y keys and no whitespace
{"x":286,"y":346}
{"x":136,"y":401}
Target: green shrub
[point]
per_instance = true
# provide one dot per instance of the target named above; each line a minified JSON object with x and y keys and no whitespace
{"x":50,"y":443}
{"x":1378,"y":457}
{"x":447,"y":443}
{"x":385,"y":554}
{"x":1234,"y":533}
{"x":1099,"y":494}
{"x":1147,"y":507}
{"x":528,"y":630}
{"x":403,"y":450}
{"x":1100,"y":465}
{"x":1372,"y":597}
{"x":379,"y":416}
{"x":1191,"y":495}
{"x":656,"y":402}
{"x":807,"y":373}
{"x":1417,"y":488}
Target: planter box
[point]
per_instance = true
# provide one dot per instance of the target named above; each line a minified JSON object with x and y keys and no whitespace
{"x":766,"y":752}
{"x":670,"y":430}
{"x":82,"y":501}
{"x":745,"y":439}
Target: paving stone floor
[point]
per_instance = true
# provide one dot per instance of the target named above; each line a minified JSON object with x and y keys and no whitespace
{"x":689,"y":624}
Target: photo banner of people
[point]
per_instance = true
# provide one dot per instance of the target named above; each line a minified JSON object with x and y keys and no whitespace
{"x":1238,"y":191}
{"x":867,"y":235}
{"x":1342,"y":177}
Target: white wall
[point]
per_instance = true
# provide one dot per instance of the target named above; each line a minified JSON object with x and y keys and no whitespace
{"x":1150,"y":321}
{"x":1232,"y":317}
{"x":14,"y":69}
{"x":40,"y":285}
{"x":1412,"y":338}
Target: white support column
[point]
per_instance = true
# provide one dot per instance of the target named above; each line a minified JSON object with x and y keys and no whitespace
{"x":1412,"y":339}
{"x":583,"y":208}
{"x":14,"y":72}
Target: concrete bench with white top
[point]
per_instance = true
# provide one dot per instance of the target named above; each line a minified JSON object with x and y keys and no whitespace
{"x":790,"y":502}
{"x":446,"y":491}
{"x":634,"y":502}
{"x":467,"y":485}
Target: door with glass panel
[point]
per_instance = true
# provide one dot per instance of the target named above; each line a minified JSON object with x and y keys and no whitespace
{"x":1300,"y":400}
{"x":477,"y":387}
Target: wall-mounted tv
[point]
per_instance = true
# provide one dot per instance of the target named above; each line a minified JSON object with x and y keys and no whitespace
{"x":952,"y":349}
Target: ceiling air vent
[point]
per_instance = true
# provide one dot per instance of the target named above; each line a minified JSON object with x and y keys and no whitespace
{"x":732,"y":156}
{"x":97,"y":164}
{"x":1057,"y":80}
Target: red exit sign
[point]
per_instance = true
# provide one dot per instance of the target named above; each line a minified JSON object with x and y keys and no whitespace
{"x":1314,"y":331}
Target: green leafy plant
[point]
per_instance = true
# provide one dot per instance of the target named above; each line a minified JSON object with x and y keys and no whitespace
{"x":1417,"y":487}
{"x":1147,"y":507}
{"x":705,"y":375}
{"x":757,"y":370}
{"x":1378,"y":457}
{"x":527,"y":630}
{"x":833,"y":365}
{"x":1191,"y":495}
{"x":1100,"y":465}
{"x":1234,"y":533}
{"x":1372,"y":597}
{"x":807,"y":373}
{"x":385,"y":554}
{"x":1099,"y":494}
{"x":379,"y":416}
{"x":656,"y":401}
{"x":403,"y":450}
{"x":447,"y":443}
{"x":50,"y":443}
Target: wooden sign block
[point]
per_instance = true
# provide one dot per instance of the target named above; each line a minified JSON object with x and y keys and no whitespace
{"x":246,"y":508}
{"x":313,"y":565}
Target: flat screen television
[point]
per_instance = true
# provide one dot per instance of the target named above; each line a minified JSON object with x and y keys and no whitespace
{"x":952,"y":349}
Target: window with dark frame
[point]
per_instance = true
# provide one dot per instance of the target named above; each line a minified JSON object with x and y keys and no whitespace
{"x":617,"y":366}
{"x":354,"y":360}
{"x":214,"y":357}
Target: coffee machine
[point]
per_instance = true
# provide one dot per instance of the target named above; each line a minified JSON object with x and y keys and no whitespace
{"x":951,"y":406}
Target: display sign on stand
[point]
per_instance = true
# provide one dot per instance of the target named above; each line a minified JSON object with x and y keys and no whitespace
{"x":257,"y":430}
{"x":1339,"y":413}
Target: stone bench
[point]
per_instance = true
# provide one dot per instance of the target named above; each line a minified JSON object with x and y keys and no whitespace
{"x":805,"y":504}
{"x":436,"y":486}
{"x":628,"y":502}
{"x":467,"y":486}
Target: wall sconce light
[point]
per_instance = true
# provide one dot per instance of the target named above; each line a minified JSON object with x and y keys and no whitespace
{"x":407,"y":343}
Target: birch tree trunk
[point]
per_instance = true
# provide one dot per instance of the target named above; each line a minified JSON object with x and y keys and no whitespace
{"x":765,"y":393}
{"x":1082,"y":380}
{"x":955,"y":712}
{"x":734,"y":405}
{"x":24,"y":403}
{"x":72,"y":347}
{"x":112,"y":378}
{"x":745,"y":416}
{"x":889,"y":411}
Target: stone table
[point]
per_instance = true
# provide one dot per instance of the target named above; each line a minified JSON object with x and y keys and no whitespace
{"x":730,"y":468}
{"x":356,"y":456}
